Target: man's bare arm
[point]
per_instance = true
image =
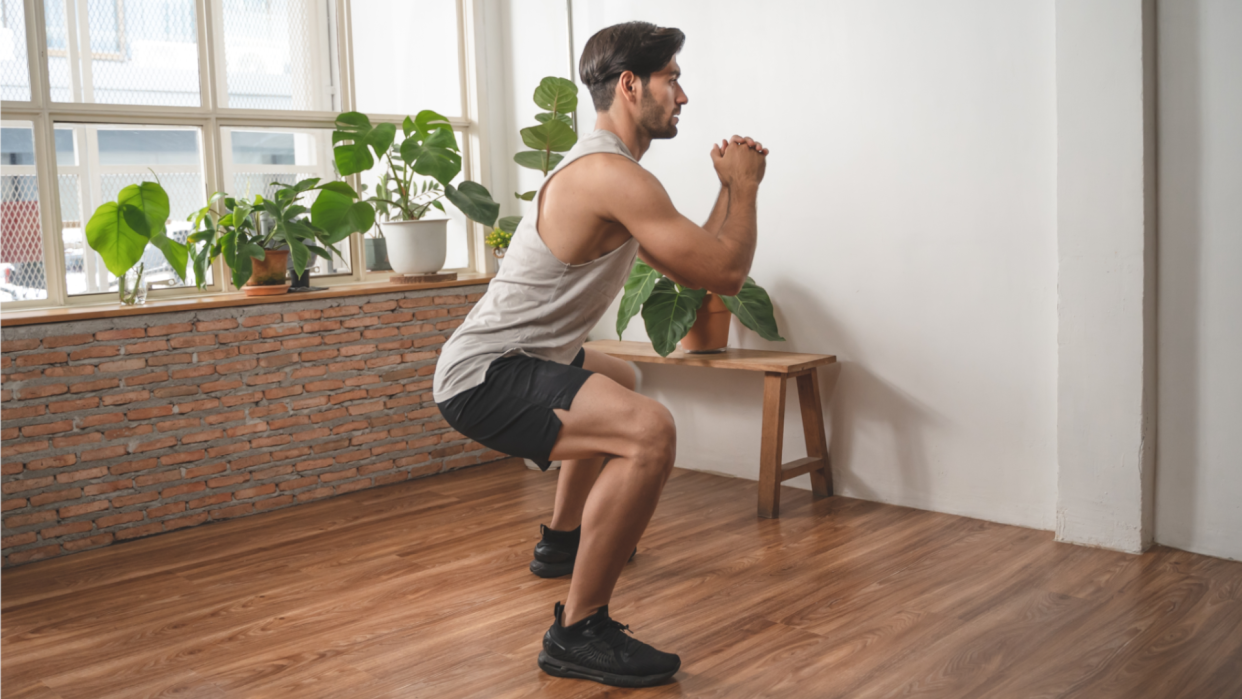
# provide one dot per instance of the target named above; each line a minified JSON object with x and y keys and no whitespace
{"x":719,"y":210}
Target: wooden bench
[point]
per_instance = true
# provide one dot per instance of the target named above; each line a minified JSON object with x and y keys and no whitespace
{"x":776,"y":368}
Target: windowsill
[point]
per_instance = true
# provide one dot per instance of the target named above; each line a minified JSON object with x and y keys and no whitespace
{"x":115,"y":310}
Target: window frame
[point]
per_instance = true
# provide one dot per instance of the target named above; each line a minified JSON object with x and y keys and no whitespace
{"x":212,"y":117}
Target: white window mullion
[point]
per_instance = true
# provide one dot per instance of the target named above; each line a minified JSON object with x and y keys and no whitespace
{"x":85,"y":56}
{"x":36,"y":49}
{"x":49,"y":212}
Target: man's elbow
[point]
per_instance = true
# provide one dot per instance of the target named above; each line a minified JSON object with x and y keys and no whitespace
{"x":729,"y":285}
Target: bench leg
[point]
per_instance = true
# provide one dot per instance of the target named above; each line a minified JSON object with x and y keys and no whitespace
{"x":770,"y":448}
{"x":813,"y":430}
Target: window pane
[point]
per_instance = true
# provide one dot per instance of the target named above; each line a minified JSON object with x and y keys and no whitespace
{"x":280,"y":54}
{"x":398,"y":70}
{"x":98,"y":163}
{"x":141,"y":52}
{"x":22,"y":275}
{"x":458,"y":251}
{"x":260,"y":161}
{"x":14,"y":70}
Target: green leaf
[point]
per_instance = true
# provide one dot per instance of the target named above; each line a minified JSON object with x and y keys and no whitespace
{"x":753,"y":307}
{"x":338,"y":215}
{"x":669,"y":313}
{"x":437,"y":162}
{"x":544,"y":117}
{"x":408,"y":128}
{"x":474,"y":201}
{"x":177,"y":254}
{"x":557,"y":95}
{"x":149,"y":198}
{"x":638,"y":288}
{"x":509,"y":224}
{"x":356,"y":156}
{"x":525,"y":196}
{"x":537,"y":159}
{"x":381,"y":137}
{"x":341,"y":188}
{"x":300,"y":254}
{"x":427,"y":120}
{"x":117,"y":243}
{"x":554,"y":135}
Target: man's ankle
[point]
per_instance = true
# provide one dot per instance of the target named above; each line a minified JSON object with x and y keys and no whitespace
{"x":564,"y":525}
{"x":569,"y":617}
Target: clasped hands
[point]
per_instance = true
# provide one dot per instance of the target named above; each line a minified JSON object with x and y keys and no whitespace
{"x":739,"y":160}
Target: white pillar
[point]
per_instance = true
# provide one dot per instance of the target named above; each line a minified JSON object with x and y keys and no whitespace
{"x":1106,"y":280}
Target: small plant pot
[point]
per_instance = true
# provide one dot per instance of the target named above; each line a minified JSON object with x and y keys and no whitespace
{"x":710,"y":332}
{"x":499,"y":253}
{"x":417,"y":247}
{"x":268,"y":276}
{"x":377,"y":254}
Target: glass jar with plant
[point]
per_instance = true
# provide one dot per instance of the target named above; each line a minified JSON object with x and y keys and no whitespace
{"x":121,"y":231}
{"x":402,"y":197}
{"x":697,"y":318}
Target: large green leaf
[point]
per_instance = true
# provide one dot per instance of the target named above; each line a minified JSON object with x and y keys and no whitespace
{"x":151,"y":199}
{"x":544,"y":117}
{"x":427,"y":120}
{"x":474,"y":201}
{"x":177,"y":254}
{"x":338,"y":214}
{"x":509,"y":224}
{"x":637,"y":289}
{"x":753,"y":307}
{"x":669,"y":313}
{"x":300,"y":254}
{"x":427,"y":158}
{"x":537,"y":159}
{"x":116,"y":241}
{"x":554,"y":135}
{"x":356,"y":156}
{"x":557,"y":95}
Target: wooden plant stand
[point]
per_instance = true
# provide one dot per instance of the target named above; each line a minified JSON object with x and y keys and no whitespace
{"x":777,"y":367}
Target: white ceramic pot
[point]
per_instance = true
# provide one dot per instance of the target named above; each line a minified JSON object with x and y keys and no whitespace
{"x":416,"y":247}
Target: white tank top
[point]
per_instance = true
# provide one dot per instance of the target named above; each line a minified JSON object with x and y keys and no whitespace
{"x":536,"y":305}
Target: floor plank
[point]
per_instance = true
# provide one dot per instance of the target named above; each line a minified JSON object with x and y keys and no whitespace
{"x":421,"y":589}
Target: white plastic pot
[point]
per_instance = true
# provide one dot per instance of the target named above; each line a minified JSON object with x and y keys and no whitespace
{"x":416,"y":247}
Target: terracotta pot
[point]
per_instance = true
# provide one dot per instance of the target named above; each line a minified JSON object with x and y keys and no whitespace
{"x":710,"y":332}
{"x":269,"y":275}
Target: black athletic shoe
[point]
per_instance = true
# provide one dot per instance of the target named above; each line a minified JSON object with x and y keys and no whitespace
{"x":556,"y":551}
{"x":597,"y":648}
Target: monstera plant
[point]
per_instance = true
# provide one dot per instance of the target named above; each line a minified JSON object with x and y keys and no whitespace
{"x":121,"y":230}
{"x":669,"y":309}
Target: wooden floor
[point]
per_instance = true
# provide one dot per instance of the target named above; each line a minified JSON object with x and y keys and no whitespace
{"x":421,"y":590}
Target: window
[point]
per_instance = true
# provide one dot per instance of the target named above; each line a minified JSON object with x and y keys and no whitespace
{"x":218,"y":95}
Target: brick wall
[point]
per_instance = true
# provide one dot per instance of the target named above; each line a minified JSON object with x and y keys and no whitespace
{"x":126,"y":427}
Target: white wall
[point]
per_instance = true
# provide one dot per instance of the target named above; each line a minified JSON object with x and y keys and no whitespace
{"x":1199,"y":473}
{"x":907,"y":225}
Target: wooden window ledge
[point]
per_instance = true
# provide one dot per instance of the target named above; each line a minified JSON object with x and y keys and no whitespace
{"x":193,"y":303}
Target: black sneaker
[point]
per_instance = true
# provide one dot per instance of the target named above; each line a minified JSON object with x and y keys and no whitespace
{"x":556,"y":551}
{"x":597,"y":648}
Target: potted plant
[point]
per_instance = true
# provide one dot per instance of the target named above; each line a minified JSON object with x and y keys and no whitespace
{"x":376,"y":247}
{"x":121,"y":230}
{"x":498,"y":240}
{"x":553,"y":135}
{"x":697,"y":318}
{"x":429,"y":149}
{"x":258,"y":237}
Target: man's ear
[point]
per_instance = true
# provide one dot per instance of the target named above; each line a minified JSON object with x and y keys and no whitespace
{"x":630,"y":86}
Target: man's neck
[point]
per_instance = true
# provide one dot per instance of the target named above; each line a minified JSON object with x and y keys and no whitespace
{"x":633,"y":137}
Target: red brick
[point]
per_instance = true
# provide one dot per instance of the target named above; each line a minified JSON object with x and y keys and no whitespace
{"x":34,"y":554}
{"x":132,"y":466}
{"x":271,"y":472}
{"x":311,"y":434}
{"x":317,"y":494}
{"x":187,"y":521}
{"x":247,"y":493}
{"x":380,"y":391}
{"x":47,"y":428}
{"x":161,"y":443}
{"x":127,"y":397}
{"x":387,"y":448}
{"x":298,"y":483}
{"x":166,"y":359}
{"x":402,"y":317}
{"x":205,"y":436}
{"x":423,"y":442}
{"x":234,"y":511}
{"x":63,"y":529}
{"x":113,"y":520}
{"x":353,"y":456}
{"x":62,"y":371}
{"x":19,"y":345}
{"x":328,"y":415}
{"x":125,"y":334}
{"x":86,"y":507}
{"x":225,"y":450}
{"x":352,"y":365}
{"x":170,"y":425}
{"x":194,"y":372}
{"x":235,"y":337}
{"x":19,"y":539}
{"x":352,"y":486}
{"x":435,"y":425}
{"x":77,"y":440}
{"x":473,"y":297}
{"x":194,"y":405}
{"x":144,"y":347}
{"x":96,"y":352}
{"x":217,"y":354}
{"x":338,"y":475}
{"x":213,"y":386}
{"x":400,"y":374}
{"x":13,"y":504}
{"x":274,"y":441}
{"x":190,"y":341}
{"x":136,"y":532}
{"x":224,"y":481}
{"x":415,"y":302}
{"x":313,"y":402}
{"x":184,"y":457}
{"x":259,"y":411}
{"x":250,"y":461}
{"x":174,"y":391}
{"x":42,"y":391}
{"x":158,"y":477}
{"x":379,"y":306}
{"x":89,"y":542}
{"x":367,"y":322}
{"x":455,"y":300}
{"x":302,"y":315}
{"x":341,"y":338}
{"x":20,"y":413}
{"x":280,"y":331}
{"x":364,"y":408}
{"x":148,"y":413}
{"x":207,"y":326}
{"x":252,"y":428}
{"x":84,"y":474}
{"x":368,"y":438}
{"x":52,"y":462}
{"x":173,"y":329}
{"x":255,"y":321}
{"x":447,"y":451}
{"x":261,"y":347}
{"x":240,"y":399}
{"x":316,"y":355}
{"x":378,"y":333}
{"x":182,"y":489}
{"x":66,"y":340}
{"x":406,"y":400}
{"x":314,"y":464}
{"x":262,"y":379}
{"x":283,"y":392}
{"x":109,"y":487}
{"x":15,"y":521}
{"x":364,"y":380}
{"x":144,"y":379}
{"x":42,"y":359}
{"x":355,"y":350}
{"x":11,"y":468}
{"x":278,"y":360}
{"x":341,"y":311}
{"x":55,"y":496}
{"x":334,"y":445}
{"x":238,"y":366}
{"x":327,"y":385}
{"x":350,"y":427}
{"x":273,"y":502}
{"x":321,"y":326}
{"x":282,"y":454}
{"x":348,"y":396}
{"x":426,"y":341}
{"x":208,"y":470}
{"x":215,"y":499}
{"x":301,"y":342}
{"x":25,"y":447}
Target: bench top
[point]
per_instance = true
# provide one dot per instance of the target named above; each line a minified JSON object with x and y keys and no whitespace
{"x":743,"y":359}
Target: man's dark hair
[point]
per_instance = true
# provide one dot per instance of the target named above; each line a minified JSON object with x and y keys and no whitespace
{"x":639,"y":47}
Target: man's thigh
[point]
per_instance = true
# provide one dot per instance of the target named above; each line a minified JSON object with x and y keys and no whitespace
{"x":605,"y":419}
{"x":618,"y":370}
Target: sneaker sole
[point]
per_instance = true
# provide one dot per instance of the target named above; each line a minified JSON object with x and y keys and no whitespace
{"x":561,"y":668}
{"x":557,"y":570}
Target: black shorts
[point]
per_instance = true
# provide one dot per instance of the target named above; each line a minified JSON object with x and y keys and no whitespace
{"x":511,"y":411}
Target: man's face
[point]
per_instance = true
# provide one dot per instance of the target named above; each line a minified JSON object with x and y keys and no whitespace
{"x":662,"y":100}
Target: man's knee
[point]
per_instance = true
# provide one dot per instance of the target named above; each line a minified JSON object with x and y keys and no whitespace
{"x":655,"y":437}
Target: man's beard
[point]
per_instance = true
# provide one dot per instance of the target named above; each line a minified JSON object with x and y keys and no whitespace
{"x":653,"y":121}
